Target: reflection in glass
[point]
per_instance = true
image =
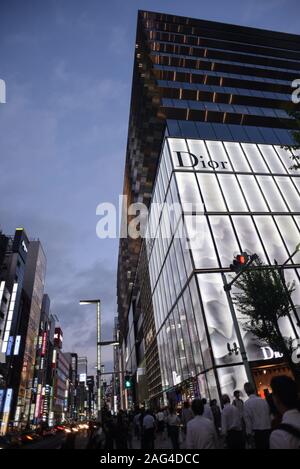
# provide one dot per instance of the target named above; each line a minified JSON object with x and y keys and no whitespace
{"x":224,"y":238}
{"x":211,"y":193}
{"x":232,"y":378}
{"x":290,"y":193}
{"x":255,"y":158}
{"x":248,"y":237}
{"x":218,"y":317}
{"x":237,"y":157}
{"x":200,"y":242}
{"x":252,"y":193}
{"x":271,"y":239}
{"x":272,"y":193}
{"x":232,"y":193}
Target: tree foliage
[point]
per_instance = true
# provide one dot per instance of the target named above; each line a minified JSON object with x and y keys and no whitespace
{"x":263,"y":300}
{"x":292,"y":149}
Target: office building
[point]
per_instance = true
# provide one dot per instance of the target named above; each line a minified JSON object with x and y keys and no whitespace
{"x":208,"y":118}
{"x":22,"y":286}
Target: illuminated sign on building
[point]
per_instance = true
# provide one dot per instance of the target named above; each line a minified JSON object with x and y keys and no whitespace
{"x":9,"y":318}
{"x":17,"y":345}
{"x":44,"y":344}
{"x":269,"y":354}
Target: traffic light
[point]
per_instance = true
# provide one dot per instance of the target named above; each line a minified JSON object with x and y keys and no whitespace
{"x":239,"y":262}
{"x":128,"y":381}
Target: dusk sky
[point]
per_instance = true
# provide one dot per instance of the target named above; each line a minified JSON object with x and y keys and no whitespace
{"x":68,"y":65}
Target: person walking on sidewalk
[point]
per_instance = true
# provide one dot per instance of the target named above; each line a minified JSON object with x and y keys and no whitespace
{"x":173,"y":426}
{"x":287,"y":434}
{"x":201,"y":433}
{"x":257,"y":418}
{"x":232,"y":427}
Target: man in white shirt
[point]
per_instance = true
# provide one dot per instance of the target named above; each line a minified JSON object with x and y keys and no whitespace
{"x":232,"y":425}
{"x":287,"y":435}
{"x":148,"y":430}
{"x":207,"y":413}
{"x":200,"y":433}
{"x":257,"y":418}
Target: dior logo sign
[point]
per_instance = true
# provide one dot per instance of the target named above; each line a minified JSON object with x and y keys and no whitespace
{"x":187,"y":159}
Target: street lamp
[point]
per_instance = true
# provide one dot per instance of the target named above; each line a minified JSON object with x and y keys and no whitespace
{"x":98,"y":305}
{"x":297,"y":249}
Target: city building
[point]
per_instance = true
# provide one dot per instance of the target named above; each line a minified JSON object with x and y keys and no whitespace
{"x":21,"y":292}
{"x":82,"y":394}
{"x":208,"y":118}
{"x":73,"y":384}
{"x":61,"y":367}
{"x":91,"y":397}
{"x":43,"y":374}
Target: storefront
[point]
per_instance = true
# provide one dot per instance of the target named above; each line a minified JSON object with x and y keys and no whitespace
{"x":213,"y":200}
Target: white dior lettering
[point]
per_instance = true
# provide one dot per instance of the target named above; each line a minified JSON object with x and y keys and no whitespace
{"x":269,"y":353}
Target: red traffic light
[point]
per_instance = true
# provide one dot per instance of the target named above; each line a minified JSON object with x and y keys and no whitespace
{"x":241,"y":259}
{"x":239,"y":262}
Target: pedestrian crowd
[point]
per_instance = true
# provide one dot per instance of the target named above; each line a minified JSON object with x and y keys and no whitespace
{"x":256,"y":423}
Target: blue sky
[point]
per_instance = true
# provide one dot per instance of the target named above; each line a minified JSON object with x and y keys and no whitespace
{"x":67,"y":65}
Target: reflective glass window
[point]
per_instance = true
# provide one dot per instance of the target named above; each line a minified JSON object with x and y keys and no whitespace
{"x":189,"y":192}
{"x":213,"y":199}
{"x":255,"y":158}
{"x":218,"y":317}
{"x":200,"y":242}
{"x":224,"y":238}
{"x":248,"y":236}
{"x":272,"y":159}
{"x":232,"y":193}
{"x":290,"y":193}
{"x":237,"y":157}
{"x":272,"y":193}
{"x":271,"y":239}
{"x":252,"y":193}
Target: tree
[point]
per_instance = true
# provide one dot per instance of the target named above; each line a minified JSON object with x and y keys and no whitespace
{"x":263,"y":300}
{"x":296,"y":136}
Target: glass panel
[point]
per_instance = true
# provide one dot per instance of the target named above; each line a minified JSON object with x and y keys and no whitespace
{"x":232,"y":193}
{"x":224,"y":238}
{"x":185,"y":345}
{"x":189,"y":192}
{"x":289,"y":192}
{"x":196,"y":346}
{"x":231,"y":379}
{"x":218,"y":317}
{"x":271,"y":239}
{"x":255,"y":158}
{"x":182,"y":358}
{"x":200,"y":242}
{"x":252,"y":193}
{"x":198,"y":313}
{"x":213,"y":200}
{"x":289,"y":232}
{"x":175,"y":145}
{"x":237,"y":157}
{"x":272,"y":193}
{"x":272,"y":159}
{"x":218,"y":156}
{"x":248,"y":237}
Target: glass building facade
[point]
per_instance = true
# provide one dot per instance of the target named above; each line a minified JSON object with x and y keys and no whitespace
{"x":211,"y":201}
{"x":222,"y":94}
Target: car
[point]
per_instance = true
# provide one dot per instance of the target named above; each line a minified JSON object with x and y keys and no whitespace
{"x":29,"y":437}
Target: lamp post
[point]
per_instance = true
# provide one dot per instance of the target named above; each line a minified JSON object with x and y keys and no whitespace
{"x":98,"y":320}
